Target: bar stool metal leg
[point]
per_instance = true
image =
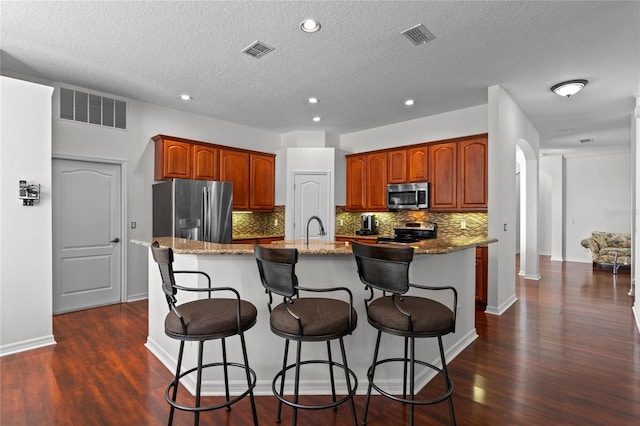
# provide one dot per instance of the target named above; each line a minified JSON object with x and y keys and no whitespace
{"x":446,"y":380}
{"x":370,"y":374}
{"x":333,"y":385}
{"x":226,"y":372}
{"x":297,"y":383}
{"x":176,"y":382}
{"x":412,"y":371}
{"x":246,"y":362}
{"x":348,"y":379}
{"x":284,"y":370}
{"x":196,"y":422}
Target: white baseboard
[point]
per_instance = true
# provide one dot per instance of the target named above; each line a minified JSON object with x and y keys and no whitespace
{"x":137,"y":297}
{"x":503,"y":307}
{"x":636,"y":314}
{"x":27,"y":345}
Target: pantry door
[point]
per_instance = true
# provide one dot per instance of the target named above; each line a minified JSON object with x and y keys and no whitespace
{"x":311,"y":199}
{"x":87,"y":234}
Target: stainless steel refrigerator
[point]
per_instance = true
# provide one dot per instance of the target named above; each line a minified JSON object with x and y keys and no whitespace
{"x":193,"y":209}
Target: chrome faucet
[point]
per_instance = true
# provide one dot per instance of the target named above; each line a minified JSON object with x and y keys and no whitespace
{"x":322,"y":231}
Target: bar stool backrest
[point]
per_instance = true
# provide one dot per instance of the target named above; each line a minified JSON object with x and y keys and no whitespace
{"x":163,"y":256}
{"x":382,"y":267}
{"x":277,"y":269}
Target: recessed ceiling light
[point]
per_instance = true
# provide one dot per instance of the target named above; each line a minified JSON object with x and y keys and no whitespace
{"x":186,"y":97}
{"x":409,"y":102}
{"x":317,"y":119}
{"x":310,"y":26}
{"x":568,"y":88}
{"x":313,"y":100}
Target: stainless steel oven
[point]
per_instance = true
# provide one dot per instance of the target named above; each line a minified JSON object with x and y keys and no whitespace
{"x":408,"y":196}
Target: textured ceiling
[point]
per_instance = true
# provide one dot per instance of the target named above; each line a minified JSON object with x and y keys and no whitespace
{"x":359,"y":65}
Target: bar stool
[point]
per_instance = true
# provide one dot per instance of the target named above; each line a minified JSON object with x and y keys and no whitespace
{"x":386,"y":268}
{"x":305,"y":319}
{"x":202,"y":320}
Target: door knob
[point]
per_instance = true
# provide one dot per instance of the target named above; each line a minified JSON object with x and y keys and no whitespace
{"x":115,"y":240}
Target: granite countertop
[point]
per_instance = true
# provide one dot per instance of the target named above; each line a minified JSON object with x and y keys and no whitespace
{"x":362,"y":237}
{"x":434,"y":246}
{"x":255,"y":236}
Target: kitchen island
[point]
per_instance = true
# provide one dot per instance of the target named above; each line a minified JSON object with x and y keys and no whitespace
{"x":320,"y":264}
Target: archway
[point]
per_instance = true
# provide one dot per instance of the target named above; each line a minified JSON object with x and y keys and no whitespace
{"x":527,"y":159}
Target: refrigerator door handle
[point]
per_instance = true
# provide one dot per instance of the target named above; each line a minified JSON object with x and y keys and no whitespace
{"x":206,"y":214}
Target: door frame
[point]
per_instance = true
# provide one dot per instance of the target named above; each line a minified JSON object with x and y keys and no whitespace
{"x":123,"y":207}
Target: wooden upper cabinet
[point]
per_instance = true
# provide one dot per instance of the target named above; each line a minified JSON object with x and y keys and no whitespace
{"x":356,"y":182}
{"x":376,"y":192}
{"x":418,"y":159}
{"x":472,"y":174}
{"x":443,"y":176}
{"x":205,"y":163}
{"x":234,"y":167}
{"x":397,"y":160}
{"x":262,"y":188}
{"x":172,"y":159}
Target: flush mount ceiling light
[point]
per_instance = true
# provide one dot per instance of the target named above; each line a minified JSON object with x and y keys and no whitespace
{"x":186,"y":97}
{"x":409,"y":102}
{"x":310,"y":26}
{"x":313,"y":100}
{"x":316,"y":119}
{"x":568,"y":88}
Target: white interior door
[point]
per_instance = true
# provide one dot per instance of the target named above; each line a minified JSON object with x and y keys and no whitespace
{"x":310,"y":199}
{"x":87,"y":203}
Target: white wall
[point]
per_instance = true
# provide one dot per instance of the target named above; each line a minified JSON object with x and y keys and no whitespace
{"x":25,"y":245}
{"x":551,"y":221}
{"x":507,"y":127}
{"x":598,"y":198}
{"x":310,"y":159}
{"x":464,"y":122}
{"x":134,"y":146}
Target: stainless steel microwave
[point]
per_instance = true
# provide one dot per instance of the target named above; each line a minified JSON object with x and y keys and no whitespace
{"x":408,"y":196}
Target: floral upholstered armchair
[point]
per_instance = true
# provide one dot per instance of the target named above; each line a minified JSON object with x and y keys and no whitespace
{"x":609,"y":248}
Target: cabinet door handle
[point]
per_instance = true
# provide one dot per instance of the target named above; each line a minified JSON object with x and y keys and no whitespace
{"x":115,"y":240}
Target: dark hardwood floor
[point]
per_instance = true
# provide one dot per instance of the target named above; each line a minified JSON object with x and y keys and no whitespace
{"x":567,"y":353}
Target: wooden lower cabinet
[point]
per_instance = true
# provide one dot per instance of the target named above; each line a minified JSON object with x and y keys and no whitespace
{"x":482,"y":263}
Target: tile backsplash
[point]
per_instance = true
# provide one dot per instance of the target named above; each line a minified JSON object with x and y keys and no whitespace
{"x":448,"y":223}
{"x":259,"y":223}
{"x":264,"y":223}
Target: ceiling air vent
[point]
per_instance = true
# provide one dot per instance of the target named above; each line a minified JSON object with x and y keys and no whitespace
{"x":93,"y":109}
{"x":418,"y":34}
{"x":257,"y":49}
